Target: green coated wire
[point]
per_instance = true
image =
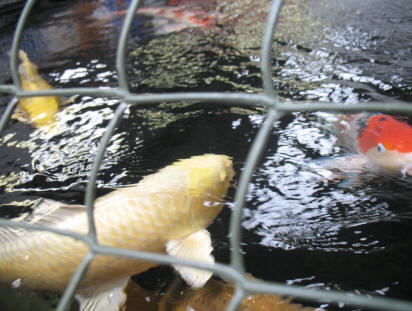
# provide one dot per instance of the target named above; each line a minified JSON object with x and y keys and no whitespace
{"x":242,"y":188}
{"x":247,"y":285}
{"x":258,"y":144}
{"x":266,"y":54}
{"x":16,"y":42}
{"x":122,"y":46}
{"x":67,"y":297}
{"x":5,"y":117}
{"x":90,"y":191}
{"x":237,"y":297}
{"x":235,"y":271}
{"x":242,"y":99}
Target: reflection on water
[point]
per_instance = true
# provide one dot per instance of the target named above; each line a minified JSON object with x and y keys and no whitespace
{"x":203,"y":63}
{"x":359,"y":52}
{"x":79,"y":128}
{"x":292,"y":206}
{"x":379,"y":46}
{"x":299,"y":227}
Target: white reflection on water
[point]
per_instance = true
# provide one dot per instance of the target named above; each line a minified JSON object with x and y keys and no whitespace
{"x":73,"y":73}
{"x":65,"y":152}
{"x":292,"y":206}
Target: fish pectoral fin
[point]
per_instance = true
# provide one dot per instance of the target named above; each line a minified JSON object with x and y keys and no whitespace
{"x":20,"y":115}
{"x":197,"y":246}
{"x":65,"y":101}
{"x":336,"y":168}
{"x":110,"y":297}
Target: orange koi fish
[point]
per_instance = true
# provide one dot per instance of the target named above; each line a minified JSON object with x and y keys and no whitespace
{"x":215,"y":295}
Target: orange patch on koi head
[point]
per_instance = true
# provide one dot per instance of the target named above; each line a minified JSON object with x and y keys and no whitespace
{"x":387,"y":132}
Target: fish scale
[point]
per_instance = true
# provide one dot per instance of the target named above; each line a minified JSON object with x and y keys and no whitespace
{"x":172,"y":204}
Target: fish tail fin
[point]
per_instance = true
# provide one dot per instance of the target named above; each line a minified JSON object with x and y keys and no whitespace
{"x":197,"y":246}
{"x":111,"y":297}
{"x":25,"y":62}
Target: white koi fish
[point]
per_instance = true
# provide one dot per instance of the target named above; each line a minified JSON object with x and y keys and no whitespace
{"x":165,"y":212}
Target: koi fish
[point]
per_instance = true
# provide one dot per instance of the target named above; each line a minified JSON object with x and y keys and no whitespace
{"x":177,"y":18}
{"x":386,"y":141}
{"x":166,"y":212}
{"x":215,"y":295}
{"x":179,"y":15}
{"x":39,"y":110}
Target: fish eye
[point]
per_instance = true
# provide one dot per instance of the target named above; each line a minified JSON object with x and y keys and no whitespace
{"x":380,"y":148}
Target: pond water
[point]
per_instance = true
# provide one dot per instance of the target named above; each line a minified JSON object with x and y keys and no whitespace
{"x":351,"y":234}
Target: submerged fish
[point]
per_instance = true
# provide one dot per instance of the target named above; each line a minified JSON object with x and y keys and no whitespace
{"x":172,"y":19}
{"x":39,"y":110}
{"x":165,"y":212}
{"x":215,"y":295}
{"x":385,"y":140}
{"x":179,"y":15}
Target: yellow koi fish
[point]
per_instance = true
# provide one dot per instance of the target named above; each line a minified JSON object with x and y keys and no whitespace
{"x":165,"y":212}
{"x":39,"y":110}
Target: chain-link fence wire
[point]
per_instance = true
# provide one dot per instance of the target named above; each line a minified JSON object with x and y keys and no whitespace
{"x":235,"y":271}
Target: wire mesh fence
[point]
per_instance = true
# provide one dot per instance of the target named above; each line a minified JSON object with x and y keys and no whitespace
{"x":235,"y":271}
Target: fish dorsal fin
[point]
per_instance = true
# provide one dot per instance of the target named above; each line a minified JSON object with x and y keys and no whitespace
{"x":50,"y":212}
{"x":109,"y":297}
{"x":8,"y":234}
{"x":197,"y":246}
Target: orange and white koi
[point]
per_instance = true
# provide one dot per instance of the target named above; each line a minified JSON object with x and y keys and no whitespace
{"x":167,"y":211}
{"x":179,"y":15}
{"x":180,"y":18}
{"x":385,"y":140}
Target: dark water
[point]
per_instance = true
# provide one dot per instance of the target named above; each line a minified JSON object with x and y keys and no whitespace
{"x":300,"y":228}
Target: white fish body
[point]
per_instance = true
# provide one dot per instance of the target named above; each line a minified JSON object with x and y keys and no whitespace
{"x":170,"y":208}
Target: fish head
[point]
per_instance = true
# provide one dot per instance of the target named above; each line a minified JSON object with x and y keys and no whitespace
{"x":387,"y":142}
{"x":209,"y":178}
